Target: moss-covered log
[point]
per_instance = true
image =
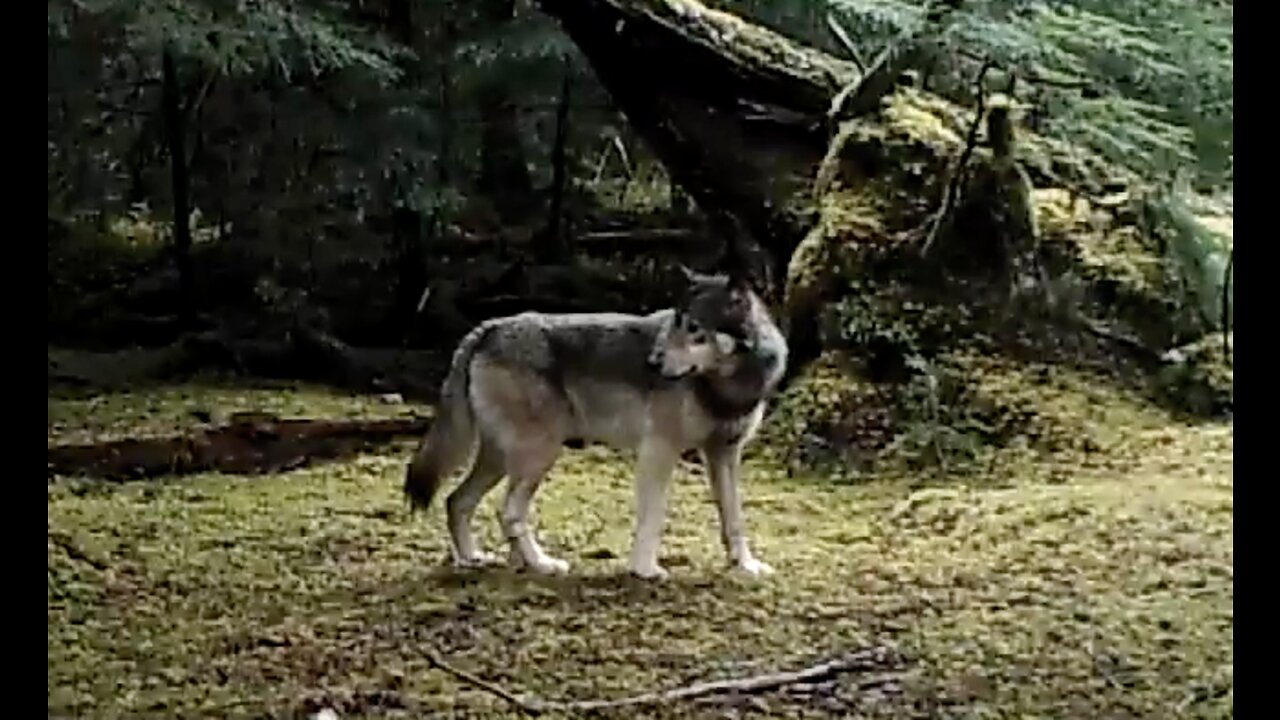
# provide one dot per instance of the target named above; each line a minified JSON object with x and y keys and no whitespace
{"x":739,"y":114}
{"x":840,"y":176}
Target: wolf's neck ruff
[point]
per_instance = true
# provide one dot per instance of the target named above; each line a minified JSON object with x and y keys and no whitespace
{"x":761,"y":365}
{"x":729,"y":398}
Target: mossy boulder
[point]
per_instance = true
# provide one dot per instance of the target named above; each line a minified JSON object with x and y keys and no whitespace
{"x":1199,"y":376}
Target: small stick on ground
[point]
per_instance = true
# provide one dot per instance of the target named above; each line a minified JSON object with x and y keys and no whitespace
{"x":752,"y":684}
{"x":533,"y":707}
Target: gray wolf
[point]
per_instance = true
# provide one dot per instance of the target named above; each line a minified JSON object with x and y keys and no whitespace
{"x":693,"y":376}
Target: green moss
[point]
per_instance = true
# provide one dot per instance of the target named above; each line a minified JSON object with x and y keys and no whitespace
{"x":927,"y":118}
{"x":1056,"y":411}
{"x":1108,"y":592}
{"x":1200,"y":376}
{"x":1060,"y":212}
{"x":828,"y":256}
{"x":750,"y":43}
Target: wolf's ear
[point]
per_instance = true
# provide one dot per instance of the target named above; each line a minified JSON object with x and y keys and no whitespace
{"x":661,"y":338}
{"x":690,"y":276}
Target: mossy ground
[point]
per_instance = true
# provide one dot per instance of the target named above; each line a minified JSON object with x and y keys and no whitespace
{"x":1061,"y":583}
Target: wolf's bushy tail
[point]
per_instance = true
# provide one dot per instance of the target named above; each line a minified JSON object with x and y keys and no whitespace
{"x":449,"y":442}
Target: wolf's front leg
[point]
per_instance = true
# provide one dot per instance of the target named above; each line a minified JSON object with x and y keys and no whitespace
{"x":724,"y":467}
{"x":657,"y":460}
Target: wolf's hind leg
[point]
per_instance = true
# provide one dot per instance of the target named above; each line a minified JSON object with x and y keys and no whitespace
{"x":526,"y":418}
{"x":462,"y":503}
{"x":527,"y":468}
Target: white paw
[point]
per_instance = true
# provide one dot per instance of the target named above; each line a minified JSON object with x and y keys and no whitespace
{"x":650,"y":571}
{"x":548,"y":566}
{"x":753,"y":567}
{"x":477,"y":559}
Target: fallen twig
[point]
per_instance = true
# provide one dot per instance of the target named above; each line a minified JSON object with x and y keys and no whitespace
{"x":531,"y":707}
{"x":752,"y":684}
{"x":864,"y":94}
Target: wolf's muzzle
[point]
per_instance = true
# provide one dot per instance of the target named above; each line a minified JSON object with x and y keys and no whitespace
{"x":655,"y":365}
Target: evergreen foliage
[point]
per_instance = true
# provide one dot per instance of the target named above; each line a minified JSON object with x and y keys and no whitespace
{"x":1147,"y":85}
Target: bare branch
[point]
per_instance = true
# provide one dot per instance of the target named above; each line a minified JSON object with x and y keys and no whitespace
{"x":951,"y":195}
{"x":903,"y":53}
{"x":752,"y":684}
{"x":838,"y":30}
{"x":197,"y":102}
{"x":529,"y":707}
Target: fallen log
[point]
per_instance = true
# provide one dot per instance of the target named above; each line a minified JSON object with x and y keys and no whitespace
{"x":304,"y":355}
{"x":738,"y":114}
{"x":250,"y":444}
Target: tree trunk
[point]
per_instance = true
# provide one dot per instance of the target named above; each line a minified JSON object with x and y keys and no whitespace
{"x":737,"y":113}
{"x":504,"y":174}
{"x":554,"y":245}
{"x":407,"y":222}
{"x":175,"y":128}
{"x":794,"y":154}
{"x":406,"y":230}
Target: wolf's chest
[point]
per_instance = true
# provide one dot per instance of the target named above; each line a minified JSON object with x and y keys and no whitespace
{"x":625,"y":416}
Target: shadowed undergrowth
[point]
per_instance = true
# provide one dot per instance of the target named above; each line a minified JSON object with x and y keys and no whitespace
{"x":1060,"y":582}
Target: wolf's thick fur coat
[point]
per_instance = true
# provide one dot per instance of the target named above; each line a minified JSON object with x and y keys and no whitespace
{"x":520,"y":387}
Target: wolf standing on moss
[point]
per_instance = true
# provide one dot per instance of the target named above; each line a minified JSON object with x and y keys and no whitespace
{"x":696,"y":376}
